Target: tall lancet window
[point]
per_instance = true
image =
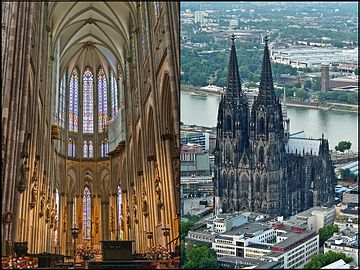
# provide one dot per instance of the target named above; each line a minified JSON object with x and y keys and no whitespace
{"x":104,"y":148}
{"x":119,"y":208}
{"x":73,"y":101}
{"x":86,"y":229}
{"x":56,"y":228}
{"x":114,"y":94}
{"x":74,"y":212}
{"x":88,"y":149}
{"x":71,"y":148}
{"x":102,"y":100}
{"x":88,"y":101}
{"x":61,"y":105}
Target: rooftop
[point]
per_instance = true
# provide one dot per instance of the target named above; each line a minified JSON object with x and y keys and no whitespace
{"x":247,"y":228}
{"x":292,"y":239}
{"x":308,"y":213}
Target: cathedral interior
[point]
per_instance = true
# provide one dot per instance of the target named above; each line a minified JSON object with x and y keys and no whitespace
{"x":90,"y":124}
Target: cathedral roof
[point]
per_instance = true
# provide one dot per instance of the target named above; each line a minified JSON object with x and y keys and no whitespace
{"x":303,"y":145}
{"x":266,"y":89}
{"x":233,"y":82}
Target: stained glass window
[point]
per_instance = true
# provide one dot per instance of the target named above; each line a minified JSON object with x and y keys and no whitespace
{"x":114,"y":94}
{"x":102,"y":100}
{"x":119,"y":208}
{"x":157,"y":6}
{"x":104,"y":148}
{"x":73,"y":101}
{"x":86,"y":151}
{"x":71,"y":148}
{"x":88,"y":101}
{"x":61,"y":108}
{"x":90,"y":155}
{"x":74,"y":212}
{"x":86,"y":214}
{"x":57,"y":201}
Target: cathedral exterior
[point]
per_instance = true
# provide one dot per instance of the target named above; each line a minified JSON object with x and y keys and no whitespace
{"x":259,"y":167}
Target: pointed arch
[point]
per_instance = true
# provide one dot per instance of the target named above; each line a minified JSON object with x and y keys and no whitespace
{"x":88,"y":101}
{"x":73,"y":100}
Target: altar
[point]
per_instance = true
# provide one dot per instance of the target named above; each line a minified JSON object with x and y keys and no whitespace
{"x":116,"y":250}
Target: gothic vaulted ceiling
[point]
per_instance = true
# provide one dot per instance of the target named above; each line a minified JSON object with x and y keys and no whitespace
{"x":91,"y":33}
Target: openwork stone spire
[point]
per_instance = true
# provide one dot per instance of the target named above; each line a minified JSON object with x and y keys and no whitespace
{"x":233,"y":82}
{"x":266,"y":89}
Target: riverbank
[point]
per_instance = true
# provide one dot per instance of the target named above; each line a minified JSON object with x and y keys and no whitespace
{"x":291,"y":103}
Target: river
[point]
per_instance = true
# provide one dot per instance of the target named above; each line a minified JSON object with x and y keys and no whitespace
{"x":336,"y":126}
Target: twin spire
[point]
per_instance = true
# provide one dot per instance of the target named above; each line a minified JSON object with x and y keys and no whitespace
{"x":233,"y":82}
{"x":266,"y":89}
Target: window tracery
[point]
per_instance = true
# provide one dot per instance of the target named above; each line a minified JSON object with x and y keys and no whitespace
{"x":102,"y":101}
{"x":73,"y":101}
{"x":86,"y":229}
{"x":114,"y":94}
{"x":88,"y":101}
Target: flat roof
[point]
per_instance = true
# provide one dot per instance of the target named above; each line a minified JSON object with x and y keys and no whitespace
{"x":292,"y":238}
{"x":307,"y":213}
{"x":247,"y":228}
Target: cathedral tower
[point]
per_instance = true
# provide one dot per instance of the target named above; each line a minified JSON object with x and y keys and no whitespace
{"x":266,"y":136}
{"x":232,"y":139}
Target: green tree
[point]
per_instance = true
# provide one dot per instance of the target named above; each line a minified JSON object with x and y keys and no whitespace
{"x":342,"y":146}
{"x":200,"y":257}
{"x":347,"y":174}
{"x":318,"y":261}
{"x":315,"y":84}
{"x":186,"y":226}
{"x":326,"y":232}
{"x":356,"y":71}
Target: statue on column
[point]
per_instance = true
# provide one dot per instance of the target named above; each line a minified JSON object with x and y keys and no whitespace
{"x":48,"y":211}
{"x":157,"y":187}
{"x":36,"y":169}
{"x":145,"y":208}
{"x":134,"y":206}
{"x":53,"y":216}
{"x":65,"y":220}
{"x":112,"y":220}
{"x":128,"y":216}
{"x":97,"y":224}
{"x":24,"y":171}
{"x":42,"y":203}
{"x":34,"y":194}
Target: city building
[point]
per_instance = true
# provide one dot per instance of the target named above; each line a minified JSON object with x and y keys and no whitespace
{"x":240,"y":237}
{"x":230,"y":262}
{"x":194,"y":161}
{"x":340,"y":264}
{"x":312,"y":57}
{"x":200,"y":17}
{"x":346,"y":241}
{"x":199,"y":186}
{"x":197,"y":138}
{"x":258,"y":166}
{"x":317,"y":217}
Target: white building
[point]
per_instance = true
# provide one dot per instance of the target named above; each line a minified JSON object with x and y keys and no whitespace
{"x":200,"y":17}
{"x":292,"y":247}
{"x":234,"y":23}
{"x":346,"y":241}
{"x":317,"y":217}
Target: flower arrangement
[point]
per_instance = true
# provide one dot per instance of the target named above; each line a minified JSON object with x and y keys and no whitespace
{"x":87,"y":252}
{"x":157,"y":253}
{"x":17,"y":263}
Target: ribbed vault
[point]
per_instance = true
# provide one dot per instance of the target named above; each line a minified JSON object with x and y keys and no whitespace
{"x":91,"y":33}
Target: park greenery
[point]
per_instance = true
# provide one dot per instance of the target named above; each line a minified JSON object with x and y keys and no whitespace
{"x":186,"y":226}
{"x":343,"y":146}
{"x":319,"y":261}
{"x":200,"y":257}
{"x":326,"y":232}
